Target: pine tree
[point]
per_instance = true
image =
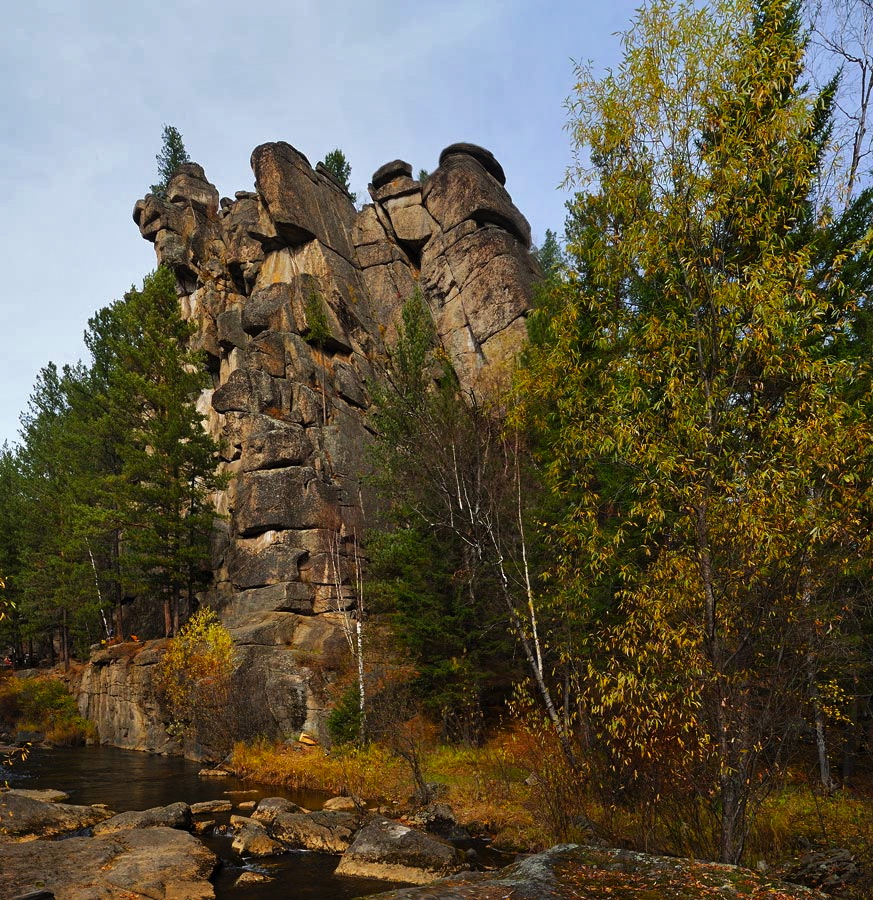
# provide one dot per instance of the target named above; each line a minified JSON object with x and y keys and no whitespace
{"x":337,"y":164}
{"x":172,"y":155}
{"x":167,"y":458}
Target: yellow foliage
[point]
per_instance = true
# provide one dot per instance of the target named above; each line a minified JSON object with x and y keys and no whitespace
{"x":194,"y":672}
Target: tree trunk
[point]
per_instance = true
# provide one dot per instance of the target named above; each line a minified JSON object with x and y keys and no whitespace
{"x":65,"y":641}
{"x":733,"y":816}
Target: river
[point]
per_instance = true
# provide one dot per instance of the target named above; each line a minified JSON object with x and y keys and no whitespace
{"x":126,"y":779}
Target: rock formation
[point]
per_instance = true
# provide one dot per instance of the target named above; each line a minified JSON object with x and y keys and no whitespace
{"x":295,"y":295}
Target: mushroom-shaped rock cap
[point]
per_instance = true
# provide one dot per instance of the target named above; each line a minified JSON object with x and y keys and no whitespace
{"x":390,"y":171}
{"x":484,"y":157}
{"x":192,"y":169}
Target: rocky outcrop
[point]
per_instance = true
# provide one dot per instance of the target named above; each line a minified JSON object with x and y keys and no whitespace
{"x":295,"y":295}
{"x":117,"y":692}
{"x":569,"y":872}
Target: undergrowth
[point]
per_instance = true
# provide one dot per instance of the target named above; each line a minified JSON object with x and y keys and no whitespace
{"x":514,"y":789}
{"x":43,"y":705}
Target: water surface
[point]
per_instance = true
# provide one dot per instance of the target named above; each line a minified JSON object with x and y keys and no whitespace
{"x":126,"y":779}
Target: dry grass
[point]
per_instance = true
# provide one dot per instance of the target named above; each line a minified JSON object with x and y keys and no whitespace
{"x":513,"y":788}
{"x":485,"y":786}
{"x":370,"y":773}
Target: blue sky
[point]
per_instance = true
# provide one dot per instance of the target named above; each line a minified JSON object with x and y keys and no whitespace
{"x":87,"y":86}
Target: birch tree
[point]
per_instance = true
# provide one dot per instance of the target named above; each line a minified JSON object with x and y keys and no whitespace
{"x":709,"y":467}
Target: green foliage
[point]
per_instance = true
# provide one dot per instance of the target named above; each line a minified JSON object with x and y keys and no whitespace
{"x":550,"y":256}
{"x":445,"y":473}
{"x":194,"y":677}
{"x":172,"y":155}
{"x":111,"y":484}
{"x":43,"y":704}
{"x":458,"y":642}
{"x":344,"y":721}
{"x":167,"y":457}
{"x":336,"y":163}
{"x":704,"y":460}
{"x":317,"y":327}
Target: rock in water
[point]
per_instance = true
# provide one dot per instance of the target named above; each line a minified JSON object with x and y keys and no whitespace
{"x":24,"y":817}
{"x":392,"y":852}
{"x":176,"y":815}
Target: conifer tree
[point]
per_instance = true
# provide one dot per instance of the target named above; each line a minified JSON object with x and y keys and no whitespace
{"x":337,"y":164}
{"x":173,"y":154}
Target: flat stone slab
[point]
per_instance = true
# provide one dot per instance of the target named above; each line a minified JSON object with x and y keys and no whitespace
{"x":48,"y":795}
{"x":24,"y":817}
{"x":158,"y":863}
{"x":210,"y":806}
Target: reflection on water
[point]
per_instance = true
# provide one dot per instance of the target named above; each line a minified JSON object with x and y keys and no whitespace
{"x":126,"y":779}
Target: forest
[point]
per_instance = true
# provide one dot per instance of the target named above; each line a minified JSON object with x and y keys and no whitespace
{"x":649,"y":560}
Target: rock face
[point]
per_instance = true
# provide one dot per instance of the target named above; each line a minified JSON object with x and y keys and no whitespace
{"x":295,"y":295}
{"x":117,"y":692}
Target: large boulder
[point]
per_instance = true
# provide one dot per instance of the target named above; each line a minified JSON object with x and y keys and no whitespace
{"x":270,"y":807}
{"x":294,"y":497}
{"x":302,"y":203}
{"x":329,"y":831}
{"x":251,"y":839}
{"x":462,"y":189}
{"x":393,"y":852}
{"x":157,"y":863}
{"x":176,"y":815}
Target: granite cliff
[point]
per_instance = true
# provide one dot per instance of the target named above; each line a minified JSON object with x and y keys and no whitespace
{"x":295,"y":295}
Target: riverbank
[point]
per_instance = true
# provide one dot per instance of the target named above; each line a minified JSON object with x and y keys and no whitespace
{"x":514,"y":793}
{"x":154,"y":853}
{"x":509,"y":793}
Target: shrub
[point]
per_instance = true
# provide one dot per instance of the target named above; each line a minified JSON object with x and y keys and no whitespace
{"x":344,"y":721}
{"x":194,"y":681}
{"x":44,"y":705}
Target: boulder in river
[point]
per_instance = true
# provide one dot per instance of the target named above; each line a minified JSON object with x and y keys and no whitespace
{"x":393,"y":852}
{"x":251,"y":839}
{"x":329,"y":831}
{"x":268,"y":808}
{"x":176,"y":815}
